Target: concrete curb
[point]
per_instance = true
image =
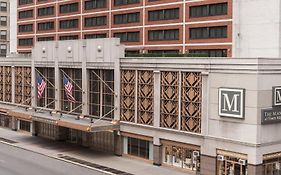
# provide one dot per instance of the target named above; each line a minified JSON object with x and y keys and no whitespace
{"x":57,"y":158}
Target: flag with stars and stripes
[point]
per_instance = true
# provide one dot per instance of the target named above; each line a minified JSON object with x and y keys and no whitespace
{"x":68,"y":87}
{"x":41,"y":85}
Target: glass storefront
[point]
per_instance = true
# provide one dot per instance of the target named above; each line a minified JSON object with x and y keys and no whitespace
{"x":138,"y":147}
{"x":229,"y":163}
{"x":182,"y":157}
{"x":5,"y":121}
{"x":272,"y":164}
{"x":25,"y":125}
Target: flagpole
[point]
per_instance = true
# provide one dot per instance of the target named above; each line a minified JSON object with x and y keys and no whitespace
{"x":103,"y":81}
{"x":71,"y":80}
{"x":44,"y":77}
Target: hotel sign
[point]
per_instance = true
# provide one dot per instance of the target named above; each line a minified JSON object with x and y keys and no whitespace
{"x":231,"y":102}
{"x":273,"y":115}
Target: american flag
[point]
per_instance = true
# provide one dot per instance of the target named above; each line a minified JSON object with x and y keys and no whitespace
{"x":68,"y":89}
{"x":41,"y":85}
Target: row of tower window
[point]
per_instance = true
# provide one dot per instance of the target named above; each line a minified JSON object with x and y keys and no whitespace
{"x":155,"y":15}
{"x":153,"y":35}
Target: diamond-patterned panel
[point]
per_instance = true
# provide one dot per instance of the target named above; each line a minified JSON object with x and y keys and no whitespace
{"x":169,"y":100}
{"x":8,"y":84}
{"x":128,"y":90}
{"x":191,"y":102}
{"x":145,"y":97}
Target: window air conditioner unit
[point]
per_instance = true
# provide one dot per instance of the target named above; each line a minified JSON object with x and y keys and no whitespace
{"x":220,"y":158}
{"x":196,"y":153}
{"x":242,"y":162}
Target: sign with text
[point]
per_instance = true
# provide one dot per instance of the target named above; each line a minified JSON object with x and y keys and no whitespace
{"x":276,"y":96}
{"x":271,"y":115}
{"x":231,"y":102}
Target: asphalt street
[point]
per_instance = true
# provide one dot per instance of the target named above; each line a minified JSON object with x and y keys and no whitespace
{"x":16,"y":161}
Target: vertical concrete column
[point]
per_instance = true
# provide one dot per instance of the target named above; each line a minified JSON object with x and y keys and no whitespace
{"x":207,"y":165}
{"x":33,"y":128}
{"x":13,"y":84}
{"x":157,"y":152}
{"x":85,"y":78}
{"x":255,"y":169}
{"x":156,"y":96}
{"x":86,"y":139}
{"x":118,"y":143}
{"x":204,"y":103}
{"x":14,"y":124}
{"x":57,"y":78}
{"x":117,"y":81}
{"x":33,"y":82}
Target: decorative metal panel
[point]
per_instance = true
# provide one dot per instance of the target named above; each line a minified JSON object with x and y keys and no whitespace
{"x":169,"y":100}
{"x":128,"y":91}
{"x":18,"y":84}
{"x":1,"y":83}
{"x":27,"y":86}
{"x":191,"y":97}
{"x":145,"y":97}
{"x":8,"y":84}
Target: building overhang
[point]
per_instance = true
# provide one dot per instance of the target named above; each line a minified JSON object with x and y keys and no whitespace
{"x":86,"y":124}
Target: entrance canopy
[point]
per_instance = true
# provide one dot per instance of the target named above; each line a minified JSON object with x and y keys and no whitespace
{"x":79,"y":122}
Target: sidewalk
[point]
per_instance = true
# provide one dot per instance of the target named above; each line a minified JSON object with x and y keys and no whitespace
{"x":53,"y":149}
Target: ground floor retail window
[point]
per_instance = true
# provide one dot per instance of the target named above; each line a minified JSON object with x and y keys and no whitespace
{"x":229,"y":163}
{"x":272,"y":164}
{"x":46,"y":130}
{"x":138,"y":147}
{"x":24,"y":125}
{"x":5,"y":121}
{"x":182,"y":157}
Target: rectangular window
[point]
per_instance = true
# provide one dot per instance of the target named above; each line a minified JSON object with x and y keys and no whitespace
{"x":49,"y":38}
{"x":3,"y":34}
{"x":127,"y":18}
{"x":26,"y":42}
{"x":3,"y":20}
{"x":165,"y":14}
{"x":164,"y":51}
{"x":94,"y":36}
{"x":3,"y":6}
{"x":125,"y":2}
{"x":46,"y":11}
{"x":208,"y":32}
{"x":45,"y":26}
{"x":138,"y":147}
{"x":23,"y":2}
{"x":95,"y":21}
{"x":95,"y":4}
{"x":26,"y":28}
{"x":68,"y":24}
{"x":208,"y":10}
{"x":3,"y":49}
{"x":159,"y":35}
{"x":210,"y":52}
{"x":68,"y":8}
{"x":69,"y":37}
{"x":128,"y":36}
{"x":26,"y":14}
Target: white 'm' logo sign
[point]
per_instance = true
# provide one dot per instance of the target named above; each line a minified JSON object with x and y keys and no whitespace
{"x":231,"y":102}
{"x":231,"y":106}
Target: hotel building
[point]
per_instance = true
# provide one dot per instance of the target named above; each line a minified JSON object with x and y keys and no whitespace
{"x":144,"y":26}
{"x":192,"y":114}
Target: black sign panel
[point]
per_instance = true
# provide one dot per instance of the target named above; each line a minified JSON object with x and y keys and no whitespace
{"x":271,"y":116}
